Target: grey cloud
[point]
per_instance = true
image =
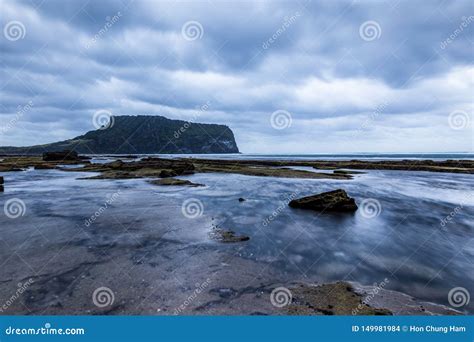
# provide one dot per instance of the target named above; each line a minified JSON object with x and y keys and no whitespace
{"x":306,"y":57}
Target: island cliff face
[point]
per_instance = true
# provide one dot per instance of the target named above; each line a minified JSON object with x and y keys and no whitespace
{"x":143,"y":134}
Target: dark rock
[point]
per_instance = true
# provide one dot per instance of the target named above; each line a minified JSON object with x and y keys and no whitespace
{"x":1,"y":180}
{"x":115,"y":164}
{"x":168,"y":173}
{"x":1,"y":188}
{"x":174,"y":181}
{"x":241,"y":199}
{"x":44,"y":166}
{"x":332,"y":201}
{"x":60,"y":156}
{"x":347,"y":172}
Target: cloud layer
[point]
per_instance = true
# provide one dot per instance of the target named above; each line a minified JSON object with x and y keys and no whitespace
{"x":349,"y":76}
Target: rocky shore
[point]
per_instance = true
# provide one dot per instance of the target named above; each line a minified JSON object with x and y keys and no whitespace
{"x":163,"y":167}
{"x":66,"y":285}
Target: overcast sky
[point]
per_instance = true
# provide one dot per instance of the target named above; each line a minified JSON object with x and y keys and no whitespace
{"x":286,"y":77}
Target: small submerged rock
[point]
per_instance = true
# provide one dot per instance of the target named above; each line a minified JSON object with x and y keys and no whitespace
{"x":223,"y":235}
{"x":1,"y":183}
{"x":241,"y":199}
{"x":174,"y":181}
{"x":332,"y":201}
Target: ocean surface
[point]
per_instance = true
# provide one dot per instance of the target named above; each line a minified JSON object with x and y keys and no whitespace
{"x":152,"y":250}
{"x":328,"y":156}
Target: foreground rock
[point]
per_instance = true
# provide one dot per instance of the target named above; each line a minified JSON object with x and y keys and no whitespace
{"x":1,"y":183}
{"x":330,"y":299}
{"x":227,"y":236}
{"x":174,"y":181}
{"x":332,"y":201}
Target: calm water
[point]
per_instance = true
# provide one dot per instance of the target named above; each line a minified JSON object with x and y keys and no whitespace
{"x":404,"y":241}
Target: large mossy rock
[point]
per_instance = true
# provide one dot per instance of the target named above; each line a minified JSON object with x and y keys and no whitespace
{"x":332,"y":201}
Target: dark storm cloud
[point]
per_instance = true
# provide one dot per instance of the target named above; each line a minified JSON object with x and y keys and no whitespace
{"x":309,"y":58}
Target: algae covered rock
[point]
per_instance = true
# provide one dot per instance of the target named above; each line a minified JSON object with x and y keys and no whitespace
{"x":332,"y":201}
{"x":174,"y":181}
{"x":330,"y":299}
